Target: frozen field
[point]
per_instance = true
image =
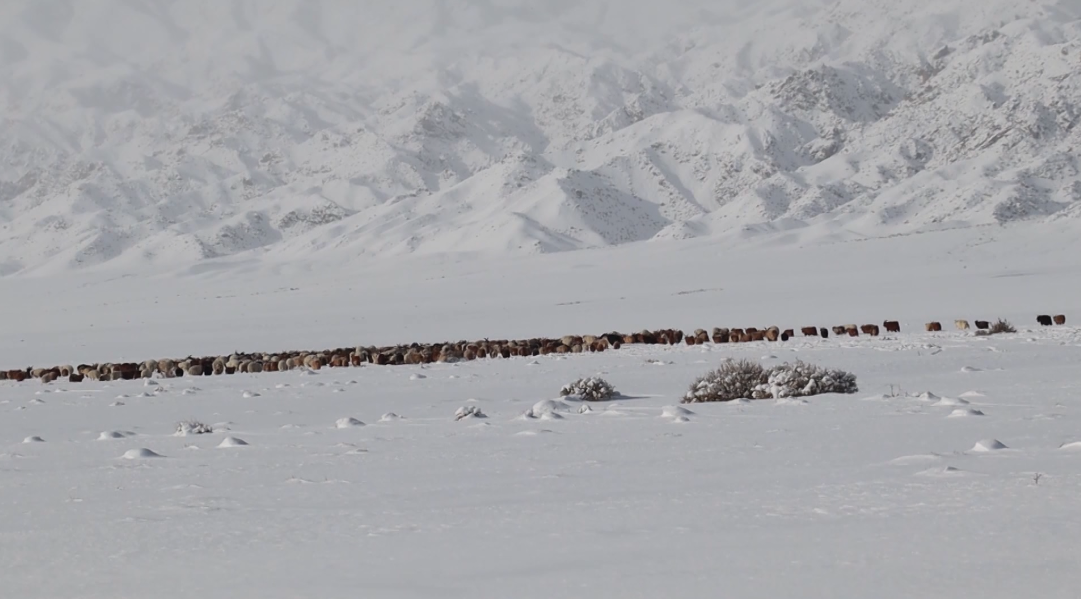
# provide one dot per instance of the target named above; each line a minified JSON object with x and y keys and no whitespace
{"x":869,"y":495}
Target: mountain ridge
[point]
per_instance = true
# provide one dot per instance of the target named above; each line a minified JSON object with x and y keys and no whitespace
{"x":166,"y":133}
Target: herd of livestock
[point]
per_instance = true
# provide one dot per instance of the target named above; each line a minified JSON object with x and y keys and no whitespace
{"x":449,"y":352}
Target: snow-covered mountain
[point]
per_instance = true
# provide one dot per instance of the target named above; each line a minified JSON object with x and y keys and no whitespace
{"x":166,"y":132}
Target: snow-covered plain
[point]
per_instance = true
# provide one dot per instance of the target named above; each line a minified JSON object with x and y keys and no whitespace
{"x":857,"y":496}
{"x":841,"y":496}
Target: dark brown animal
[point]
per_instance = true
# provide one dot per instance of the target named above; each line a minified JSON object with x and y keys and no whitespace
{"x":809,"y":331}
{"x":933,"y":327}
{"x":853,"y":332}
{"x":1044,"y":320}
{"x":824,"y":333}
{"x":788,"y":333}
{"x":892,"y":326}
{"x":983,"y":325}
{"x":870,"y":329}
{"x":839,"y":330}
{"x":1060,"y":319}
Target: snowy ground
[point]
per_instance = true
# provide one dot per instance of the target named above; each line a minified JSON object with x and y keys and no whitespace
{"x":840,"y":496}
{"x":844,"y":496}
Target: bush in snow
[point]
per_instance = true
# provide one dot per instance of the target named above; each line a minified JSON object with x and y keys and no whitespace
{"x":1002,"y":326}
{"x":750,"y":380}
{"x":193,"y":427}
{"x":590,"y":389}
{"x":802,"y":380}
{"x":733,"y":380}
{"x":468,"y":412}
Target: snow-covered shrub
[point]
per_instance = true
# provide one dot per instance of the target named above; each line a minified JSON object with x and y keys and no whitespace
{"x":590,"y":389}
{"x":193,"y":427}
{"x":468,"y":412}
{"x":750,"y":380}
{"x":1001,"y":326}
{"x":802,"y":380}
{"x":733,"y":380}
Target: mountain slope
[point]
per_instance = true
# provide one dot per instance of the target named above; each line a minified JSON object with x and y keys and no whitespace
{"x":164,"y":132}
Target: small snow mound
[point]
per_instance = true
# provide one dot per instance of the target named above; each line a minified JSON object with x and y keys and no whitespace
{"x":417,"y":377}
{"x":928,"y":396}
{"x":584,"y":409}
{"x":122,"y":396}
{"x":680,"y":419}
{"x":466,"y":412}
{"x":286,"y":427}
{"x":348,"y":423}
{"x":916,"y":459}
{"x":533,"y":363}
{"x":987,"y":445}
{"x":972,"y":394}
{"x":151,"y":383}
{"x":139,"y":454}
{"x":37,"y":401}
{"x":769,"y":357}
{"x":675,"y":412}
{"x":1075,"y":446}
{"x":551,"y":416}
{"x":944,"y":471}
{"x":34,"y":439}
{"x":232,"y":442}
{"x":109,"y":435}
{"x":188,"y":392}
{"x":551,"y":405}
{"x":249,"y":394}
{"x":116,"y":404}
{"x":971,"y":369}
{"x":965,"y":413}
{"x":742,"y":401}
{"x":281,"y":385}
{"x":951,"y":401}
{"x":390,"y":417}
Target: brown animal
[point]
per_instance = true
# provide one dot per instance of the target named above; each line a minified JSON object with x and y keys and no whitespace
{"x":736,"y":335}
{"x":840,"y":330}
{"x":1044,"y":320}
{"x":1060,"y":319}
{"x":788,"y":333}
{"x":933,"y":327}
{"x":772,"y":334}
{"x":75,"y":377}
{"x":892,"y":326}
{"x":721,"y":335}
{"x":690,"y":340}
{"x":870,"y":329}
{"x":809,"y":331}
{"x":853,"y":332}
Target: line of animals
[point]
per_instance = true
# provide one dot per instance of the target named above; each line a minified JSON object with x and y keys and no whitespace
{"x":447,"y":352}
